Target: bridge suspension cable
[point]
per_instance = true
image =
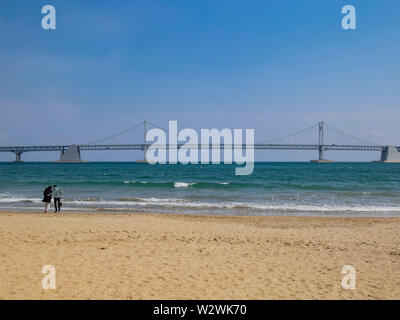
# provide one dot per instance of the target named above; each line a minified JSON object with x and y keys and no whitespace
{"x":310,"y":135}
{"x":158,"y":127}
{"x":304,"y":132}
{"x":307,"y":136}
{"x":336,"y":136}
{"x":117,"y":134}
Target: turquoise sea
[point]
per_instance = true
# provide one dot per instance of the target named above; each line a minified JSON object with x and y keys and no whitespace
{"x":340,"y":189}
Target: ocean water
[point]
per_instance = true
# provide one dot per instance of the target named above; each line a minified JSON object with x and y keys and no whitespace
{"x":338,"y":189}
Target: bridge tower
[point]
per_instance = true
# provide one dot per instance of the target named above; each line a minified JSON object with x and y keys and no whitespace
{"x":321,"y":140}
{"x":144,"y":143}
{"x":144,"y":138}
{"x":321,"y":146}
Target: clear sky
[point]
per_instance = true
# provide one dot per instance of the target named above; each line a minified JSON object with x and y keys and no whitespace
{"x":276,"y":66}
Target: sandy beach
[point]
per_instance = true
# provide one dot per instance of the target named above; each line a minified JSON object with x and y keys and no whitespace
{"x":125,"y":256}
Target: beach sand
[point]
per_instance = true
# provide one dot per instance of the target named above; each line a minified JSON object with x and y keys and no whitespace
{"x":126,"y":256}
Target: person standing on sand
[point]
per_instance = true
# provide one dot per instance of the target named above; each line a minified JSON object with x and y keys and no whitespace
{"x":47,"y":199}
{"x":57,"y":198}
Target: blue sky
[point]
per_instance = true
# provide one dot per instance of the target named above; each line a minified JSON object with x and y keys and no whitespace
{"x":275,"y":66}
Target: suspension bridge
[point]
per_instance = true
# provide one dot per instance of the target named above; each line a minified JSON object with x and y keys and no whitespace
{"x":321,"y":137}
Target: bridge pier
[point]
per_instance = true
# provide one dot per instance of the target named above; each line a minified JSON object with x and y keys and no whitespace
{"x":62,"y":153}
{"x":321,"y":158}
{"x":72,"y":154}
{"x":18,"y":157}
{"x":390,"y":154}
{"x":321,"y":152}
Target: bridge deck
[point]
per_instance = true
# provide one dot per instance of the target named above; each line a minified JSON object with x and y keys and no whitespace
{"x":110,"y":147}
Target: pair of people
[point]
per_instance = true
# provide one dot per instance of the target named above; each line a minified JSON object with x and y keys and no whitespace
{"x":55,"y":193}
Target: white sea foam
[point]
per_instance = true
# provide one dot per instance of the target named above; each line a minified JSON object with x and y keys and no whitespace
{"x":183,"y":184}
{"x":268,"y":207}
{"x":237,"y":206}
{"x":15,"y":199}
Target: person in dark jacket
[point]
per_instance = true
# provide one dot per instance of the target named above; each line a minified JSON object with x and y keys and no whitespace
{"x":47,"y":199}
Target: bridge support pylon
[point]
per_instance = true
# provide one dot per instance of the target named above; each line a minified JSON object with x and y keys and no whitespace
{"x":145,"y":144}
{"x":390,"y":154}
{"x":321,"y":158}
{"x":321,"y":149}
{"x":72,"y":154}
{"x":18,"y":157}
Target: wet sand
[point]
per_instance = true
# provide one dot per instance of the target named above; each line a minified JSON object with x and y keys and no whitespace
{"x":125,"y":256}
